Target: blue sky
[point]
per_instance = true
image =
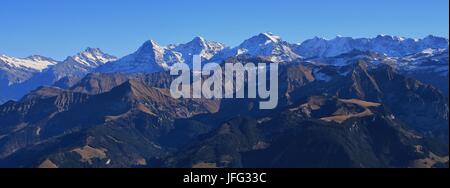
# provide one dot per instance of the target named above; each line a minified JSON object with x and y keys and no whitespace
{"x":58,"y":28}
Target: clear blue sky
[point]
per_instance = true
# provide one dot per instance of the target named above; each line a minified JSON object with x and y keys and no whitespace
{"x":58,"y":28}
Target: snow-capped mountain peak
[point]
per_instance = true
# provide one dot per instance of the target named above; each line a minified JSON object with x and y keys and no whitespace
{"x":150,"y":57}
{"x":92,"y":57}
{"x":32,"y":63}
{"x":40,"y":58}
{"x":270,"y":36}
{"x":148,"y":48}
{"x":198,"y":46}
{"x":385,"y":44}
{"x":18,"y":70}
{"x":79,"y":64}
{"x":260,"y":40}
{"x":264,"y":45}
{"x":199,"y":40}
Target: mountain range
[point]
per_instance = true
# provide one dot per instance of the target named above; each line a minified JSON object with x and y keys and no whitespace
{"x":344,"y":102}
{"x":19,"y":76}
{"x":384,"y":44}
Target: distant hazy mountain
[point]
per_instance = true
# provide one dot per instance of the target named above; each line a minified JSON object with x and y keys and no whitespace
{"x":17,"y":70}
{"x":384,"y":44}
{"x":76,"y":66}
{"x":429,"y":66}
{"x":80,"y":64}
{"x":44,"y":71}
